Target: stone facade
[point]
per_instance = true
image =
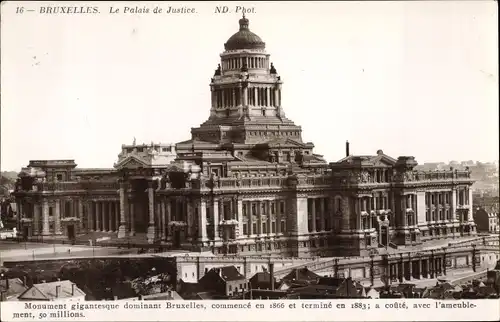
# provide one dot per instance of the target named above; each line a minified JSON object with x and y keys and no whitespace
{"x":246,"y":183}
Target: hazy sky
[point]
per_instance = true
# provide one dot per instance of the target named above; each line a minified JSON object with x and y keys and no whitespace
{"x":411,"y":78}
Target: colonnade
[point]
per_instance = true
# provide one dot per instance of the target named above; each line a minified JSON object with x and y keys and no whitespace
{"x":236,"y":63}
{"x":253,"y":96}
{"x":410,"y":268}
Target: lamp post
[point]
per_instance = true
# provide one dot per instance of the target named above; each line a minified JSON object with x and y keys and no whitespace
{"x":473,"y":257}
{"x":372,"y":270}
{"x":432,"y":264}
{"x":444,"y":260}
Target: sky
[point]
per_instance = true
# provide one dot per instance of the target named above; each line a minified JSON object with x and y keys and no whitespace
{"x":410,"y":78}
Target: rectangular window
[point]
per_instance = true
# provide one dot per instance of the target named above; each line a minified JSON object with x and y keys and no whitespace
{"x":245,"y":232}
{"x":254,"y":228}
{"x":282,"y":226}
{"x":282,"y":207}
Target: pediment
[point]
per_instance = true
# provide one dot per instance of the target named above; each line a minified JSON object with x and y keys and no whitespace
{"x":131,"y":162}
{"x":285,"y":143}
{"x":383,"y":161}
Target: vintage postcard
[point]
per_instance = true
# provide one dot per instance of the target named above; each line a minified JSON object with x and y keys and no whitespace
{"x":249,"y":161}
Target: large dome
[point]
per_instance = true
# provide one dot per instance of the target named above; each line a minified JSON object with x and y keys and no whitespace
{"x":244,"y":39}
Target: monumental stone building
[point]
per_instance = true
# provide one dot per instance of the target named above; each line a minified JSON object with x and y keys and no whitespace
{"x":246,"y":183}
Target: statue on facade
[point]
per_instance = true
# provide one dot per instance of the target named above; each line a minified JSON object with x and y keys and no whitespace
{"x":238,"y":179}
{"x":292,"y":156}
{"x":244,"y":68}
{"x":273,"y":70}
{"x":134,"y":142}
{"x":166,"y":179}
{"x":365,"y":177}
{"x":218,"y":71}
{"x":273,"y":157}
{"x":409,"y":176}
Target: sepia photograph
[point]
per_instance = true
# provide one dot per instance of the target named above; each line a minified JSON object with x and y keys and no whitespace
{"x":205,"y":156}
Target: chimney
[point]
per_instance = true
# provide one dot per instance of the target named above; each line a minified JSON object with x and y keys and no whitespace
{"x":271,"y":274}
{"x":72,"y":289}
{"x":347,"y":148}
{"x":58,"y":290}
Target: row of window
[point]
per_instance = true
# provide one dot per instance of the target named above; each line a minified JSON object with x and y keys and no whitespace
{"x":264,"y":228}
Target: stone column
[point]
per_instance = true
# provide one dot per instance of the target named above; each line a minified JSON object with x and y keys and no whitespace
{"x":269,"y":217}
{"x":132,"y":218}
{"x":256,"y":96}
{"x":410,"y":268}
{"x":163,"y":214}
{"x":268,"y":96}
{"x":313,"y":215}
{"x":396,"y":271}
{"x":420,"y":273}
{"x":57,"y":218}
{"x":36,"y":219}
{"x":104,"y":221}
{"x":275,"y":92}
{"x":259,"y":217}
{"x":110,"y":216}
{"x":239,"y":215}
{"x":80,"y":210}
{"x":250,"y":231}
{"x":116,"y":215}
{"x":216,"y":219}
{"x":122,"y":229}
{"x":189,"y":217}
{"x":168,"y":210}
{"x":98,"y":216}
{"x":322,"y":215}
{"x":202,"y":222}
{"x":151,"y":224}
{"x":46,"y":225}
{"x":90,"y":214}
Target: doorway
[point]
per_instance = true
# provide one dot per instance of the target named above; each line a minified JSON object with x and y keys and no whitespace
{"x":71,"y":232}
{"x":177,"y":238}
{"x":26,"y":232}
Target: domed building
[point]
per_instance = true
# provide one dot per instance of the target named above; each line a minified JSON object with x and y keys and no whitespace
{"x":245,"y":183}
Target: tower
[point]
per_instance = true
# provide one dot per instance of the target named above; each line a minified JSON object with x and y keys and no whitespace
{"x":246,"y":96}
